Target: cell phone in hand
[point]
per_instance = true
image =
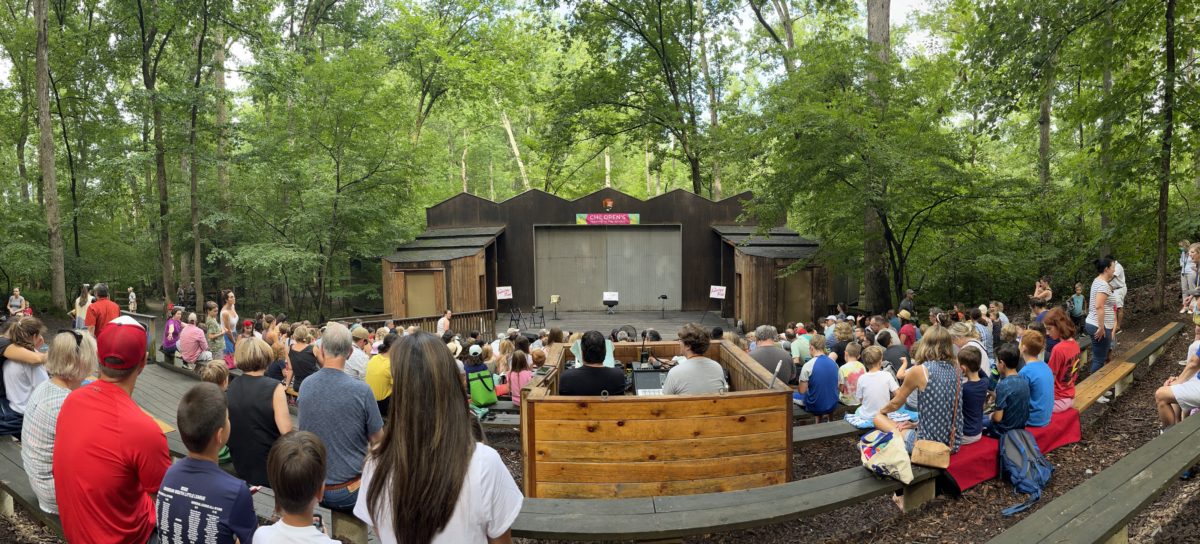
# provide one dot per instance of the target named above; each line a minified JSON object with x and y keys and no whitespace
{"x":320,"y":525}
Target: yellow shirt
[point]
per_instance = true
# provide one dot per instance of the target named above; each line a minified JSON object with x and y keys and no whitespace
{"x":379,"y":376}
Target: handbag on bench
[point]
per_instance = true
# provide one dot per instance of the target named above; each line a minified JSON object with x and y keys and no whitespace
{"x":934,"y":454}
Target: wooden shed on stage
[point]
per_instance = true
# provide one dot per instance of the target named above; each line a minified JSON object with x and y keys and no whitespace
{"x":675,"y":245}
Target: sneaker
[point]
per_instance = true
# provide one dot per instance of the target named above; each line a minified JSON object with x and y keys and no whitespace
{"x":1103,"y":400}
{"x":1108,"y":393}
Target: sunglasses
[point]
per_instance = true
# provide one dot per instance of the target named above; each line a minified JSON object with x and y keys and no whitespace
{"x":78,"y":335}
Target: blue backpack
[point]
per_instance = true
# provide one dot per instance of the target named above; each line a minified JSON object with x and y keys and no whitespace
{"x":1025,"y":467}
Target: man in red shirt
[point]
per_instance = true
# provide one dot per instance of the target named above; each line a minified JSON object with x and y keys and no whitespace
{"x":109,"y":456}
{"x":101,"y":312}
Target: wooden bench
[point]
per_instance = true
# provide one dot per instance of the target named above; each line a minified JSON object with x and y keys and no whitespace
{"x":821,"y":431}
{"x":658,"y":518}
{"x":1118,"y":374}
{"x":15,"y":488}
{"x":1099,"y":509}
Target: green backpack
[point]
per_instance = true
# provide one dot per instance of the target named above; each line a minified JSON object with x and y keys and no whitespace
{"x":480,"y":385}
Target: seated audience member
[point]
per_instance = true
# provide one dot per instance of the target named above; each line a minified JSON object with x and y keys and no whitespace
{"x":974,"y":394}
{"x":428,"y":479}
{"x":296,"y":467}
{"x":696,"y":374}
{"x":593,"y":378}
{"x":342,"y":412}
{"x":379,"y":373}
{"x":192,"y":345}
{"x":198,"y":502}
{"x":800,"y":350}
{"x":819,"y":385}
{"x":1010,"y":333}
{"x":1012,"y":393}
{"x":356,"y":365}
{"x":302,"y":357}
{"x":72,"y":358}
{"x":849,"y":374}
{"x":258,"y":411}
{"x":769,"y":354}
{"x":519,"y":376}
{"x":963,"y":334}
{"x":217,"y":374}
{"x":875,"y":388}
{"x":907,"y":331}
{"x":1180,"y":394}
{"x":20,"y":379}
{"x":1041,"y":379}
{"x":1064,"y":357}
{"x":894,"y":352}
{"x":843,"y":334}
{"x":109,"y":455}
{"x":936,"y":377}
{"x":171,"y":330}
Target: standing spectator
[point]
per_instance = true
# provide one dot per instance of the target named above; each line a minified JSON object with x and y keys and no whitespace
{"x":1100,"y":321}
{"x":171,"y":331}
{"x":296,"y":466}
{"x":908,"y":304}
{"x":258,"y":412}
{"x":101,"y":312}
{"x":443,"y":324}
{"x":1187,"y":276}
{"x":379,"y":373}
{"x":342,"y":412}
{"x":17,"y":305}
{"x":229,"y":324}
{"x":199,"y":503}
{"x":998,"y":307}
{"x":132,"y":301}
{"x":1119,"y":289}
{"x":82,"y":302}
{"x":302,"y":357}
{"x":356,"y":365}
{"x":819,"y":386}
{"x":179,"y":300}
{"x":593,"y":378}
{"x":908,"y":331}
{"x":1041,"y":290}
{"x":894,"y":353}
{"x":71,"y":359}
{"x":696,"y":374}
{"x":214,"y":332}
{"x":109,"y":455}
{"x":963,"y":334}
{"x":192,"y":345}
{"x":770,"y":355}
{"x":1078,"y":306}
{"x":20,"y":379}
{"x":428,"y":479}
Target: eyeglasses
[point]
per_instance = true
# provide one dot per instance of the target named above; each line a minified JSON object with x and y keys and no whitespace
{"x":78,"y":335}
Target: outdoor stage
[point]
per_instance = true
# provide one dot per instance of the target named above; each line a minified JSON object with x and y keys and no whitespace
{"x":666,"y":325}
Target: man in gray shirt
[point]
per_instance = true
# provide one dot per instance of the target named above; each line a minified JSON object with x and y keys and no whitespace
{"x":697,"y":374}
{"x":341,"y":411}
{"x":768,"y":354}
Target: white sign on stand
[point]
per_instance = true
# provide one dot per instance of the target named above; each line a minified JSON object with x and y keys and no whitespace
{"x":504,"y":293}
{"x":716,"y":291}
{"x":610,"y":296}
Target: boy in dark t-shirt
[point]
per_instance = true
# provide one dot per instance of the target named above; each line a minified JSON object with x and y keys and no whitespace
{"x":974,"y":393}
{"x":1012,"y":394}
{"x":198,"y":501}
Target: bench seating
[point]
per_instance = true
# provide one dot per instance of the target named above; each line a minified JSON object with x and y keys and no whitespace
{"x":1118,"y":375}
{"x":821,"y":431}
{"x":656,"y":518}
{"x":1099,"y":509}
{"x":15,"y":488}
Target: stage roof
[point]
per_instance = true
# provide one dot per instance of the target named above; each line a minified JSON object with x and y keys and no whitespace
{"x":445,"y":244}
{"x":780,"y":242}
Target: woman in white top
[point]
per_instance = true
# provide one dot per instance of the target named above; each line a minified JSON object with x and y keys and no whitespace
{"x":20,"y":378}
{"x":1101,"y":316}
{"x":229,"y":321}
{"x":428,"y":478}
{"x":82,"y":302}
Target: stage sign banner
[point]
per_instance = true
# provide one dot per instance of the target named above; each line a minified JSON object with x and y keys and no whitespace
{"x":608,"y":219}
{"x":504,"y":293}
{"x":610,"y":296}
{"x":716,"y":291}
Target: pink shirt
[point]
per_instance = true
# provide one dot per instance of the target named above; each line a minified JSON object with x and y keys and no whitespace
{"x":191,"y":343}
{"x":517,"y":380}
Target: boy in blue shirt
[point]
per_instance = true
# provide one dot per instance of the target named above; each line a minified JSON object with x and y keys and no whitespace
{"x":1041,"y":379}
{"x":1012,"y":394}
{"x":819,"y":380}
{"x":197,"y":500}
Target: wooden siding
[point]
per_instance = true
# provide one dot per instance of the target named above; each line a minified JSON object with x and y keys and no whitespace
{"x":761,"y":298}
{"x":587,"y":447}
{"x":456,"y":284}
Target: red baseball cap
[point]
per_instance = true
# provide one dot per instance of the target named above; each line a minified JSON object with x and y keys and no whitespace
{"x":123,"y":340}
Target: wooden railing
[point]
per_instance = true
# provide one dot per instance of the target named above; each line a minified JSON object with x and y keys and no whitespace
{"x":483,"y":321}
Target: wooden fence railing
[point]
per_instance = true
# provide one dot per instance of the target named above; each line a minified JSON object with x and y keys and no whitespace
{"x":483,"y":321}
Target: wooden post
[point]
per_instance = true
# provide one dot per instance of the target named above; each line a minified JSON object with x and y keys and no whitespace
{"x":1123,"y":385}
{"x":916,"y":495}
{"x":6,"y":503}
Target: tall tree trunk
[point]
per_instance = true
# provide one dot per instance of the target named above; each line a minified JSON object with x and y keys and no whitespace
{"x":62,"y":117}
{"x":1106,"y":123}
{"x":1044,"y":110}
{"x":875,"y":273}
{"x":58,"y":282}
{"x":151,"y":54}
{"x":607,"y":169}
{"x":23,"y":133}
{"x":714,"y":102}
{"x":649,"y":185}
{"x":1164,"y":183}
{"x":462,"y":164}
{"x":194,"y":171}
{"x":491,"y":181}
{"x":222,"y":116}
{"x":512,"y":142}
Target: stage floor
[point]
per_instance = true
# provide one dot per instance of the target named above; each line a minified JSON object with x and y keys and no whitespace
{"x":666,"y":324}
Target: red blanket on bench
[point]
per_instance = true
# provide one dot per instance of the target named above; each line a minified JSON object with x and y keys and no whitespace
{"x":977,"y":463}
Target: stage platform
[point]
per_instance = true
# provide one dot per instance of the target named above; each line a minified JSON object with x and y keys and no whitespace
{"x":666,"y":324}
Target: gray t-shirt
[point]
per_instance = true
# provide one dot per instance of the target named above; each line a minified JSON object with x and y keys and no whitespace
{"x":342,"y":412}
{"x":769,"y":357}
{"x":695,"y":376}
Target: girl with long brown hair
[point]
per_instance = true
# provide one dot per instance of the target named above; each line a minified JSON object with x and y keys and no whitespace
{"x":427,"y":479}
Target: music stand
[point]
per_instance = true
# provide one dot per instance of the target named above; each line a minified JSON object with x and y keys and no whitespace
{"x":610,"y":304}
{"x":610,"y":300}
{"x":554,"y":299}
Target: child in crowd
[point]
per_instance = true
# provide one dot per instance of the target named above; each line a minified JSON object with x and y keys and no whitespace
{"x":875,"y":387}
{"x":974,"y":393}
{"x":1194,"y":347}
{"x":518,"y":376}
{"x":296,"y":470}
{"x":849,"y":374}
{"x":197,"y":500}
{"x":216,"y":373}
{"x":819,"y":381}
{"x":1041,"y":379}
{"x":1012,"y":394}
